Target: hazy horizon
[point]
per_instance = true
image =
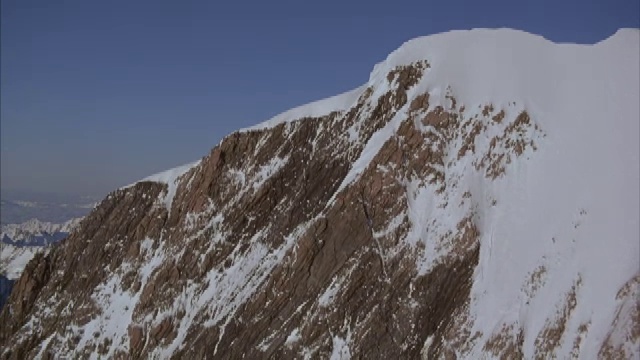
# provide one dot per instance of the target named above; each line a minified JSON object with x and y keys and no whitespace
{"x":98,"y":95}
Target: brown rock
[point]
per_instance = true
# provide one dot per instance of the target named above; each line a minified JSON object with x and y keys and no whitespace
{"x":136,"y":338}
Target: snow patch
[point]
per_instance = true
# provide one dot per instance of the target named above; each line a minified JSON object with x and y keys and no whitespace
{"x":293,"y":337}
{"x":340,"y":347}
{"x":266,"y":171}
{"x":330,"y":293}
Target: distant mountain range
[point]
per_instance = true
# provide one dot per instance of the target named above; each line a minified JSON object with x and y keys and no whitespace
{"x":19,"y":243}
{"x":17,"y":207}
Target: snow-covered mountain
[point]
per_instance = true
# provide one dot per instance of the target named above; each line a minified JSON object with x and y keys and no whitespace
{"x":476,"y":198}
{"x":35,"y":232}
{"x":19,"y":243}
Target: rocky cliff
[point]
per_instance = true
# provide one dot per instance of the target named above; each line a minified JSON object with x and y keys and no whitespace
{"x":476,"y":198}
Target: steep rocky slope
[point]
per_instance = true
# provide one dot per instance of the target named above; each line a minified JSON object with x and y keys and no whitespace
{"x":476,"y":198}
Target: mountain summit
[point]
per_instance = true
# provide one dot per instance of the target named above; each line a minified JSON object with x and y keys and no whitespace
{"x":476,"y":198}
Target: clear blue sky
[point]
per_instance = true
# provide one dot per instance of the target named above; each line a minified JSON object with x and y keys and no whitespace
{"x":98,"y":94}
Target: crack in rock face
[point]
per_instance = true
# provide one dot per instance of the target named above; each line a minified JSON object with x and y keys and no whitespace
{"x":367,"y":232}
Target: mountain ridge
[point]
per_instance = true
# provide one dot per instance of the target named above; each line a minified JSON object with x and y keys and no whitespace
{"x":380,"y":230}
{"x":348,"y":98}
{"x":34,"y":227}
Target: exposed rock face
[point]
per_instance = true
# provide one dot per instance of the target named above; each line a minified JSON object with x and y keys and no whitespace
{"x":358,"y":233}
